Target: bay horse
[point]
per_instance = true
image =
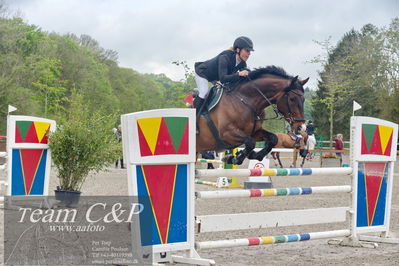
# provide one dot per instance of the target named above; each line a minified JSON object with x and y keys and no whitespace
{"x":286,"y":141}
{"x":238,"y":117}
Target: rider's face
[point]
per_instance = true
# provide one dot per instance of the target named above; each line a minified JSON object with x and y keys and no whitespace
{"x":244,"y":54}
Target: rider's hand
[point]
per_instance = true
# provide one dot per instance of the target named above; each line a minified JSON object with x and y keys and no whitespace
{"x":243,"y":73}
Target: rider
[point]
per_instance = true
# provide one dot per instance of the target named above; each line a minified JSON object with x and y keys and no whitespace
{"x":228,"y":66}
{"x":297,"y":138}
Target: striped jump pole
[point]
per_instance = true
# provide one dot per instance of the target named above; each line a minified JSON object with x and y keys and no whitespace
{"x":209,"y":161}
{"x":200,"y":173}
{"x":203,"y":182}
{"x":268,"y":240}
{"x":218,"y":184}
{"x":252,"y":193}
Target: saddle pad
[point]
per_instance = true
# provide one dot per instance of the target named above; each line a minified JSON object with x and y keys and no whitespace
{"x":215,"y":96}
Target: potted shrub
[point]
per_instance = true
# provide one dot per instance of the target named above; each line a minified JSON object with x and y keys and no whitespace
{"x":83,"y":143}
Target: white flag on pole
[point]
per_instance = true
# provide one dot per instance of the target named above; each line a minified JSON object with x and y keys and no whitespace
{"x":356,"y":106}
{"x":11,"y":108}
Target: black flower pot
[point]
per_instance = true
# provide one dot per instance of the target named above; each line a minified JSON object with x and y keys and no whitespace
{"x":67,"y":198}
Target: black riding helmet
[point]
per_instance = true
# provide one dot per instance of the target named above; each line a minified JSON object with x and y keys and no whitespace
{"x":243,"y":43}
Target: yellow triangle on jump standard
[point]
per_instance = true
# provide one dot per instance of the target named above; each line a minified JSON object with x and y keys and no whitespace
{"x":150,"y":128}
{"x":41,"y":129}
{"x":385,"y":135}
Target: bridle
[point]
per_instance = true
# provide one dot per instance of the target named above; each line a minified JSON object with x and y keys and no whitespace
{"x":290,"y":119}
{"x":279,"y":115}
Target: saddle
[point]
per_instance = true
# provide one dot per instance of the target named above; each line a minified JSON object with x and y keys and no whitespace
{"x":212,"y":99}
{"x":215,"y":94}
{"x":293,"y":136}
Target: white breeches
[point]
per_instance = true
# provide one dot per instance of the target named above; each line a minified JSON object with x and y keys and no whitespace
{"x":202,"y":86}
{"x":311,"y":142}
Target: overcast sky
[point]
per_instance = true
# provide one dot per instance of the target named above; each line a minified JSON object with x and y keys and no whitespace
{"x":148,"y":35}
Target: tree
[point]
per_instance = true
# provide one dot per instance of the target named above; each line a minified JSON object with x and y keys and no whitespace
{"x":362,"y":67}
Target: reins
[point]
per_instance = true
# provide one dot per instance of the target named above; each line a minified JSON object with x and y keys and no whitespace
{"x":274,"y":106}
{"x":278,"y":114}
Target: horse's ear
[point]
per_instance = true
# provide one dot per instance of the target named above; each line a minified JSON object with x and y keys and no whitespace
{"x":294,"y":80}
{"x":303,"y":82}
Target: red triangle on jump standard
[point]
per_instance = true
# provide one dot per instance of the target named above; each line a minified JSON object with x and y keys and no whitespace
{"x":164,"y":142}
{"x":144,"y":148}
{"x":160,"y":180}
{"x":30,"y":160}
{"x":183,"y":149}
{"x":364,"y":149}
{"x":44,"y":140}
{"x":388,"y":148}
{"x":18,"y":137}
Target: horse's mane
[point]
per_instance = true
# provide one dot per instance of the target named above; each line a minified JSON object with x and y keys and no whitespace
{"x":271,"y":70}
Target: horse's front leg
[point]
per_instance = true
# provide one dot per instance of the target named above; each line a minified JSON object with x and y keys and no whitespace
{"x":279,"y":161}
{"x":249,"y":143}
{"x":270,"y":141}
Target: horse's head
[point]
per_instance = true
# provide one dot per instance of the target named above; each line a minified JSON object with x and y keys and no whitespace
{"x":290,"y":103}
{"x":275,"y":86}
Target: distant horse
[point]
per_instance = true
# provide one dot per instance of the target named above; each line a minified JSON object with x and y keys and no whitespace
{"x":238,"y":117}
{"x":285,"y":141}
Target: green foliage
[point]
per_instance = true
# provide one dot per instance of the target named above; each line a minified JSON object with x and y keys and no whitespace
{"x":48,"y":86}
{"x":82,"y":143}
{"x":308,"y":103}
{"x":363,"y":66}
{"x":39,"y":71}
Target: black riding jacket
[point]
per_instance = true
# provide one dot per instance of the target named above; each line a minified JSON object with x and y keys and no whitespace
{"x":220,"y":68}
{"x":310,"y":129}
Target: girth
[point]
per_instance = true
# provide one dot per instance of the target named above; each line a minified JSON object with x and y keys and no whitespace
{"x":220,"y":144}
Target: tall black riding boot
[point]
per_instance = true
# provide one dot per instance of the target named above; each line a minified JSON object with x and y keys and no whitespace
{"x":198,"y":102}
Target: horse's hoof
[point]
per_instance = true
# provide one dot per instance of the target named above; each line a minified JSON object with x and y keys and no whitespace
{"x":228,"y":159}
{"x":236,"y":161}
{"x":259,"y":158}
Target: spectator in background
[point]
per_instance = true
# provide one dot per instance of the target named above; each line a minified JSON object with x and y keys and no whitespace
{"x":210,"y":155}
{"x":310,"y":128}
{"x":118,"y":135}
{"x":339,"y":145}
{"x":311,"y":143}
